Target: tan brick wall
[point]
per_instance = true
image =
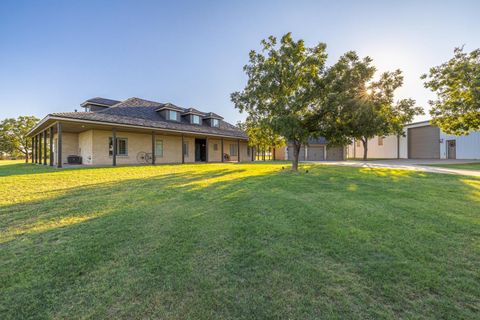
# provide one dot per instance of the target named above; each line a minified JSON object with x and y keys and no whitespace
{"x":69,"y":146}
{"x":280,"y":153}
{"x":244,"y":156}
{"x":92,"y":146}
{"x":136,"y":143}
{"x":85,"y":146}
{"x":191,"y":149}
{"x":214,"y":155}
{"x":172,"y":149}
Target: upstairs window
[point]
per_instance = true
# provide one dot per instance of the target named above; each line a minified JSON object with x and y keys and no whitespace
{"x":172,"y":115}
{"x":215,"y":122}
{"x":195,"y":119}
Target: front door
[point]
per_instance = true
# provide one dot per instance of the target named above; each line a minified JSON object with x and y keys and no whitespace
{"x":200,"y":150}
{"x":451,"y":149}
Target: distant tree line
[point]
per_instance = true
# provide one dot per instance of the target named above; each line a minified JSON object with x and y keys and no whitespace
{"x":13,"y":137}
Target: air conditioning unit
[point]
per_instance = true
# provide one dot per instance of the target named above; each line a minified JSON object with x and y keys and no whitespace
{"x":74,"y":160}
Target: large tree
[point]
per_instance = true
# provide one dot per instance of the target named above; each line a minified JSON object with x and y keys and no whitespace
{"x":367,"y":108}
{"x":457,"y":85}
{"x":13,"y":135}
{"x":283,"y":85}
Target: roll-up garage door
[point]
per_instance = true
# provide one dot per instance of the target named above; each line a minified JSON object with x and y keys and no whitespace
{"x":315,"y":153}
{"x":335,"y":153}
{"x":424,"y":143}
{"x":301,"y":156}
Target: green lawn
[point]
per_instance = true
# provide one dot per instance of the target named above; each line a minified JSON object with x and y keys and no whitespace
{"x":228,"y":241}
{"x":464,"y":166}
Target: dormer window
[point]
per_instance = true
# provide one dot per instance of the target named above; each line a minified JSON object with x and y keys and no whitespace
{"x":172,"y":115}
{"x":195,"y":119}
{"x":215,"y":123}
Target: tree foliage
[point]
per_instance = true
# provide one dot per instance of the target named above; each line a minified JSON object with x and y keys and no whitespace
{"x":260,"y":134}
{"x":457,"y":86}
{"x":291,"y":91}
{"x":283,"y":85}
{"x":13,"y":135}
{"x":367,"y":108}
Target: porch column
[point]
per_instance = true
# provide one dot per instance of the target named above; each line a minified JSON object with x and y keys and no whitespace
{"x":238,"y":150}
{"x":114,"y":145}
{"x":206,"y":149}
{"x":183,"y":149}
{"x":40,"y":148}
{"x":223,"y":160}
{"x":153,"y":147}
{"x":45,"y":147}
{"x":59,"y":145}
{"x":32,"y":156}
{"x":35,"y":147}
{"x":51,"y":145}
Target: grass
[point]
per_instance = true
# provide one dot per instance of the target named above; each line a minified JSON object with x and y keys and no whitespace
{"x":463,"y":166}
{"x":237,"y":241}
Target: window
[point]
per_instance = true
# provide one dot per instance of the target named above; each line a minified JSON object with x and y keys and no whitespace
{"x":358,"y":143}
{"x":233,"y":150}
{"x":380,"y":141}
{"x":215,"y":147}
{"x":122,"y":146}
{"x":158,"y":148}
{"x":248,"y":151}
{"x":195,"y":119}
{"x":172,"y":115}
{"x":185,"y":148}
{"x":215,"y":123}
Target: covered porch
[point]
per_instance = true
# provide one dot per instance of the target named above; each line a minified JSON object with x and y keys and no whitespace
{"x":59,"y":143}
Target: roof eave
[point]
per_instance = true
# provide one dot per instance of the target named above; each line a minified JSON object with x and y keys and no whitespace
{"x":59,"y":118}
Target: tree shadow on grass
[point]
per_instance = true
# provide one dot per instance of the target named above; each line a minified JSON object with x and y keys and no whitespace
{"x":234,"y":244}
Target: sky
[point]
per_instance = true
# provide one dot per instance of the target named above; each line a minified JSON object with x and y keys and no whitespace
{"x":56,"y":54}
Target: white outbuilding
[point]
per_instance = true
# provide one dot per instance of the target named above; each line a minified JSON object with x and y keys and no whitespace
{"x":421,"y":140}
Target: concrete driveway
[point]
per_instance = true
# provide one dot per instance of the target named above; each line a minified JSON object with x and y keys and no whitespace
{"x":407,"y":164}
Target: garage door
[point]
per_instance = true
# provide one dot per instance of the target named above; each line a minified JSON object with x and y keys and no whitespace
{"x":423,"y":143}
{"x":315,"y":153}
{"x":335,"y":153}
{"x":301,"y":156}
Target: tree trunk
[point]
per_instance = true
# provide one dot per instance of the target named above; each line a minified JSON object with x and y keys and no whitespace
{"x":263,"y":153}
{"x":296,"y":153}
{"x":365,"y":148}
{"x":274,"y":156}
{"x":26,"y":157}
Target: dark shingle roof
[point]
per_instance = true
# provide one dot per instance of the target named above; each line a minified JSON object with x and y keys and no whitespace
{"x":99,"y":100}
{"x":140,"y":112}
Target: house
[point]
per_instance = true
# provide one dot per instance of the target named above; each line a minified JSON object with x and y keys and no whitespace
{"x":317,"y":149}
{"x":421,"y":141}
{"x":136,"y":131}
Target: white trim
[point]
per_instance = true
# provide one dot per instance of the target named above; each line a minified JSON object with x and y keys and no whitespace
{"x":97,"y":104}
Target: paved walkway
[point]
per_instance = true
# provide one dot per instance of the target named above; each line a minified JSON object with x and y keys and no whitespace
{"x":418,"y":165}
